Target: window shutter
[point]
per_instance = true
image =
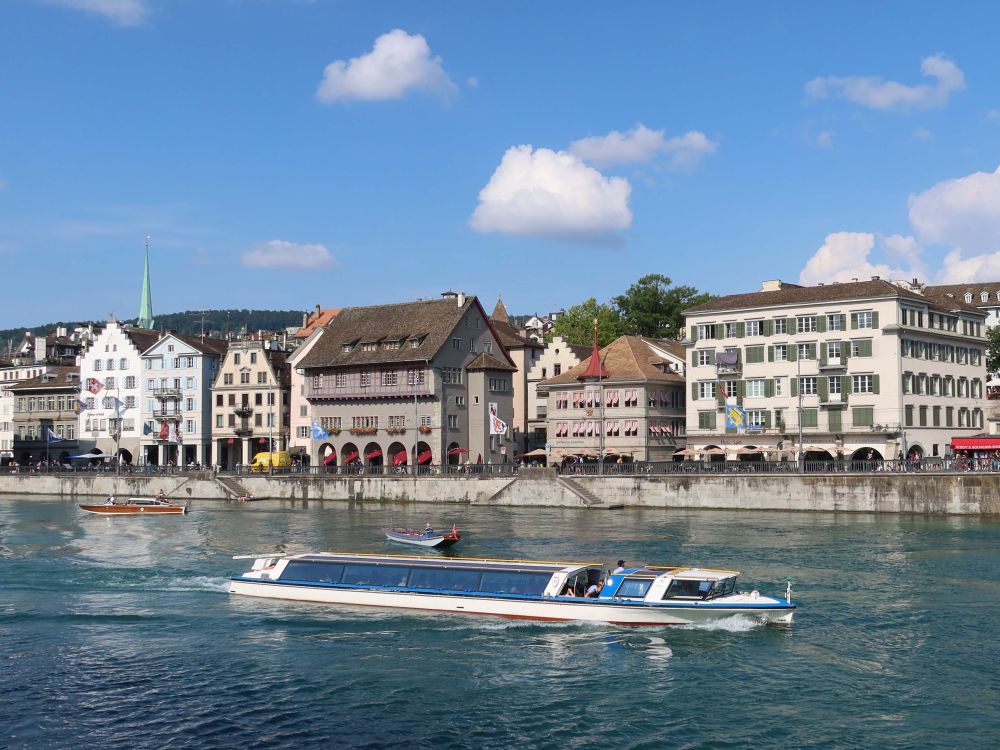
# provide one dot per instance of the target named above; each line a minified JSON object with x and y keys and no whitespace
{"x":741,"y":330}
{"x":792,"y":352}
{"x":875,"y":319}
{"x":821,"y":323}
{"x":694,"y":391}
{"x":795,"y":386}
{"x":768,"y":327}
{"x":845,"y":384}
{"x":824,"y":389}
{"x":845,"y":349}
{"x":812,"y":351}
{"x":822,"y":356}
{"x":720,"y":393}
{"x":741,"y":388}
{"x":711,"y":357}
{"x":694,"y":358}
{"x":770,"y":354}
{"x":767,"y":420}
{"x":833,"y":419}
{"x":874,"y":383}
{"x":866,"y":348}
{"x":769,"y":388}
{"x":694,"y":333}
{"x":854,"y":321}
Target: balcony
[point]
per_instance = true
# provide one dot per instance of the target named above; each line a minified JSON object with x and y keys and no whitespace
{"x":243,"y":411}
{"x":833,"y":399}
{"x":728,"y":363}
{"x":165,"y":393}
{"x":243,"y":429}
{"x":833,"y":363}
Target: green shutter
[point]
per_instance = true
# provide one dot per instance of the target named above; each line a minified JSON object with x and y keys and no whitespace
{"x":768,"y":327}
{"x":694,"y":391}
{"x":823,"y":389}
{"x":865,"y":347}
{"x":694,"y":333}
{"x":769,"y":388}
{"x":821,"y":324}
{"x":845,"y":350}
{"x":793,"y":352}
{"x":741,"y":330}
{"x":720,"y":331}
{"x":770,"y":354}
{"x":711,"y":357}
{"x":845,"y":384}
{"x":822,"y":356}
{"x":875,"y":319}
{"x":767,"y":420}
{"x":741,"y":388}
{"x":795,"y":386}
{"x":875,"y":383}
{"x":854,"y":321}
{"x":694,"y":358}
{"x":833,"y":419}
{"x":812,"y":351}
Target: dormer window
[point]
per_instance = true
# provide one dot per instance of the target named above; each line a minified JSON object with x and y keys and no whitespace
{"x":984,"y":297}
{"x":371,"y":346}
{"x":968,"y":298}
{"x":346,"y":348}
{"x":415,"y":343}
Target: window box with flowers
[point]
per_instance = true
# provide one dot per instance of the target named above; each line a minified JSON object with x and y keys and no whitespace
{"x":396,"y":431}
{"x":425,"y":430}
{"x":364,"y":430}
{"x":334,"y":431}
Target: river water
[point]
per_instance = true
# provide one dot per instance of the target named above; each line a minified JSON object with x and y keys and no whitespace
{"x":119,"y":633}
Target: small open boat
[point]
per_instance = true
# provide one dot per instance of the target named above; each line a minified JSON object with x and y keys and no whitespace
{"x":423,"y":538}
{"x":134,"y":506}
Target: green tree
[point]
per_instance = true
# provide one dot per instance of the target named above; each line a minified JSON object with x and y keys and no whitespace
{"x":993,"y":350}
{"x":577,"y":325}
{"x":653,"y":307}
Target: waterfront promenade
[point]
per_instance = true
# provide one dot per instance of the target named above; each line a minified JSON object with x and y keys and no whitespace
{"x":859,"y":487}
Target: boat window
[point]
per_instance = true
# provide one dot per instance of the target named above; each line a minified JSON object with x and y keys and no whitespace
{"x":375,"y":575}
{"x":445,"y":579}
{"x":634,"y":588}
{"x":513,"y":582}
{"x":313,"y":572}
{"x":687,"y":589}
{"x":725,"y":587}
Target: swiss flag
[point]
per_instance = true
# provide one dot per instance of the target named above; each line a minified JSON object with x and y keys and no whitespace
{"x":94,"y":385}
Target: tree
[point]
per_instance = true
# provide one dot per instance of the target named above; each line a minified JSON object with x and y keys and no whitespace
{"x":993,"y":350}
{"x":652,"y":307}
{"x":576,"y":326}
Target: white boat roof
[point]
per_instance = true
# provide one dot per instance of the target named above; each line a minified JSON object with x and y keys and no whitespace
{"x":445,"y":562}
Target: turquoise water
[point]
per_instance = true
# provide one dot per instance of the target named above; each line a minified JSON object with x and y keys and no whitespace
{"x":119,"y":633}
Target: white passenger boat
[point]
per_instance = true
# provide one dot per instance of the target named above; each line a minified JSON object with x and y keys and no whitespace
{"x":512,"y":588}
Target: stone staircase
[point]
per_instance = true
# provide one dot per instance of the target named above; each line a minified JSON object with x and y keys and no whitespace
{"x":590,"y":500}
{"x":233,"y":488}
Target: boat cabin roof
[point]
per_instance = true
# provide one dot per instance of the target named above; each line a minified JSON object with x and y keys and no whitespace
{"x":449,"y":562}
{"x":679,"y":571}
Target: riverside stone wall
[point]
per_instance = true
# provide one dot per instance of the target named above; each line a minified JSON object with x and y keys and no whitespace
{"x":966,"y":493}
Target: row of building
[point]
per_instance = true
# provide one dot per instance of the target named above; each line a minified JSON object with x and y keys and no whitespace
{"x":839,"y":370}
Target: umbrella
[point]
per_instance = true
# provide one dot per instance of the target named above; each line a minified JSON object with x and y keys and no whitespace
{"x":374,"y":453}
{"x":399,"y":458}
{"x":350,"y":457}
{"x":536,"y":452}
{"x":331,"y":457}
{"x":687,"y":452}
{"x":456,"y":451}
{"x":749,"y":451}
{"x":94,"y":455}
{"x":424,"y":457}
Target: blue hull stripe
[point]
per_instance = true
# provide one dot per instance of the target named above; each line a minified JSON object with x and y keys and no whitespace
{"x":781,"y":603}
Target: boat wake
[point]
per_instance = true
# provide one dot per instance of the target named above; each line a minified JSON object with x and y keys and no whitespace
{"x":734,"y":624}
{"x":199,"y":583}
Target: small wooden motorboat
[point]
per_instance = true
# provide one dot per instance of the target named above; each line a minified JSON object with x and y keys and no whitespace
{"x":134,"y":506}
{"x":423,"y":538}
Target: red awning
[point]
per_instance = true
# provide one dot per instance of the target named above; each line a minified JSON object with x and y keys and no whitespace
{"x":350,"y":457}
{"x":331,"y":458}
{"x":424,"y":457}
{"x":399,"y":458}
{"x":975,"y":444}
{"x":374,"y":453}
{"x":456,"y":451}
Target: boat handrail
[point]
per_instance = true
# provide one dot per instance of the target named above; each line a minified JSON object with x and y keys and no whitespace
{"x":263,"y":554}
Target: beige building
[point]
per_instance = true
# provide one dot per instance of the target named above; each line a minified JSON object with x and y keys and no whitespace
{"x":386,"y":382}
{"x":250,"y":408}
{"x":45,"y":416}
{"x":628,"y":400}
{"x":524,"y":353}
{"x":855,"y":367}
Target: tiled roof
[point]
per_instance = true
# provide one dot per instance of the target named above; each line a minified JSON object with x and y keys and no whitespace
{"x":627,"y":358}
{"x":958,"y":292}
{"x":791,"y":294}
{"x":429,"y":323}
{"x":511,"y":338}
{"x":486,"y":361}
{"x":54,"y":377}
{"x":500,"y":313}
{"x":316,"y":320}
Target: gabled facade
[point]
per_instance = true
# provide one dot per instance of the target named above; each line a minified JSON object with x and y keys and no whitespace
{"x":627,"y":400}
{"x":855,"y":367}
{"x":524,"y":353}
{"x":111,"y":372}
{"x":176,"y":403}
{"x":300,"y":412}
{"x":250,"y":395}
{"x":409,"y":384}
{"x":557,"y":357}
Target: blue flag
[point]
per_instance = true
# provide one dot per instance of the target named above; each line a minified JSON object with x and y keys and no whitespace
{"x":318,"y":433}
{"x":147,"y":429}
{"x":51,"y":437}
{"x":81,"y":405}
{"x":736,"y":417}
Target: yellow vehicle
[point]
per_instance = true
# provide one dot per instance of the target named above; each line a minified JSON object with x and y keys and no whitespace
{"x":271,"y":463}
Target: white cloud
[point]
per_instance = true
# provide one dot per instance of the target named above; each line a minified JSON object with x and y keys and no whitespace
{"x":121,"y":12}
{"x":288,"y":255}
{"x":844,"y":256}
{"x":825,"y":139}
{"x":397,"y":63}
{"x":963,"y":212}
{"x":874,"y":92}
{"x":958,"y":270}
{"x":642,"y":145}
{"x":545,"y":192}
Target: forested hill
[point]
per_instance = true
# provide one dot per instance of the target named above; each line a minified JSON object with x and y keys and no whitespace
{"x":215,"y":322}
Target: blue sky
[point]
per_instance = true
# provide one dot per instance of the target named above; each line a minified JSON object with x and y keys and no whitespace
{"x":286,"y":153}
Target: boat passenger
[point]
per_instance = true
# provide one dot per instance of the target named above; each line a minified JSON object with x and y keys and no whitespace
{"x":594,"y":589}
{"x":110,"y":500}
{"x":620,"y":567}
{"x":161,"y":495}
{"x":569,"y":591}
{"x":428,"y":529}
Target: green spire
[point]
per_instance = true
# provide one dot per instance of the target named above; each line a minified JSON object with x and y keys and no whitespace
{"x":146,"y":301}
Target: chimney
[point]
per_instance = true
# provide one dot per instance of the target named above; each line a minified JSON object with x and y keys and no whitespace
{"x":305,"y":319}
{"x":875,"y":278}
{"x":317,"y":311}
{"x":461,"y":299}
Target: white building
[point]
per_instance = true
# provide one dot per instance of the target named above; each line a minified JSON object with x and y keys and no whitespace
{"x":176,"y":399}
{"x":300,"y":421}
{"x":854,"y":368}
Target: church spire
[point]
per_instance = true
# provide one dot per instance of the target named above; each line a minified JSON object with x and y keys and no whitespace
{"x":146,"y":301}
